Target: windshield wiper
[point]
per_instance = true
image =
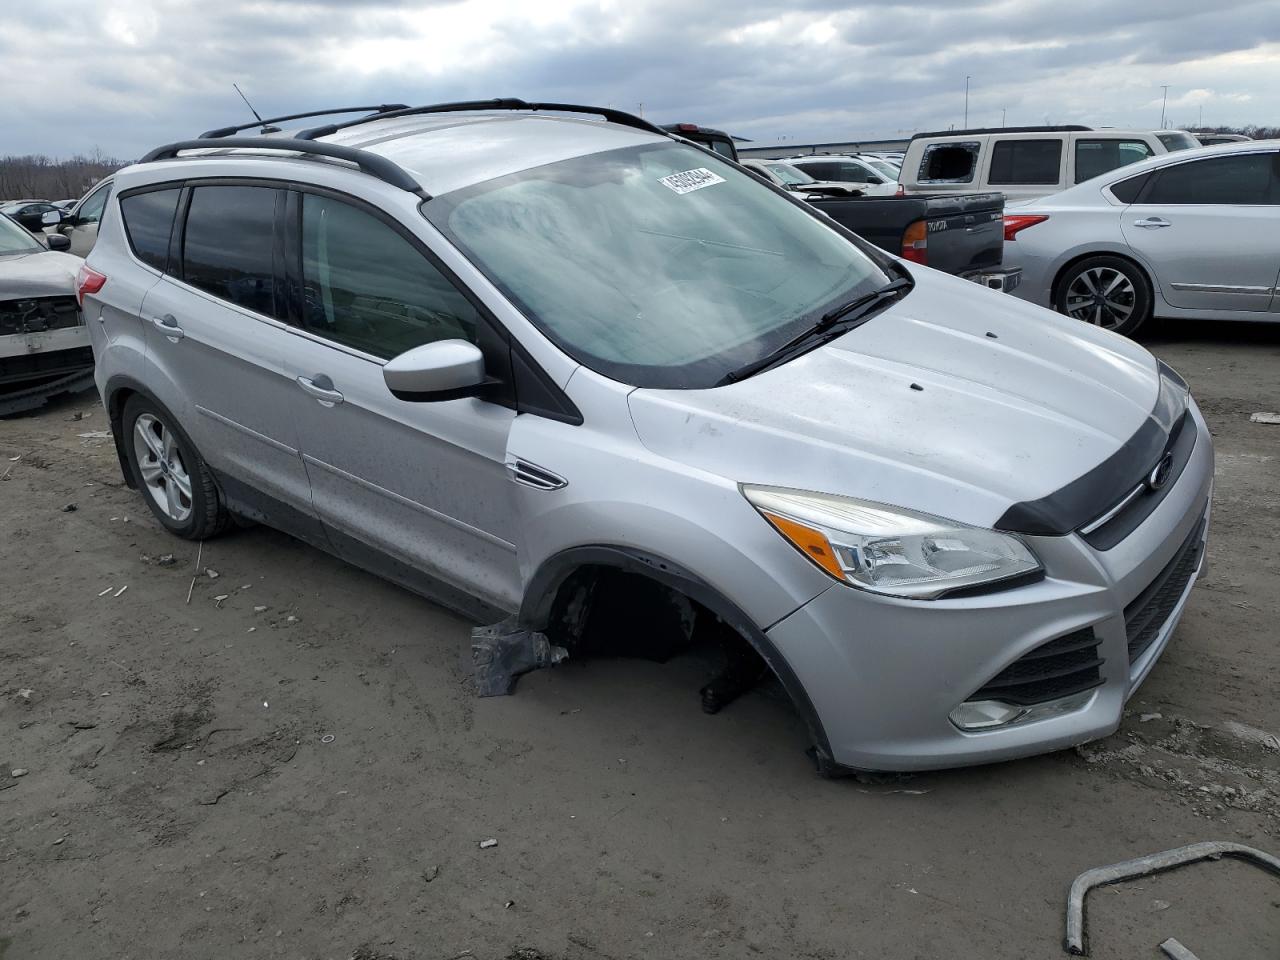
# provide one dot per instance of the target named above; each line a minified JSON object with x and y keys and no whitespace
{"x":830,"y":325}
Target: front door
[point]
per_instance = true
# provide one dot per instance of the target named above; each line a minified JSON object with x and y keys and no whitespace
{"x":1209,"y":229}
{"x":81,"y":228}
{"x":421,"y":484}
{"x":215,"y":341}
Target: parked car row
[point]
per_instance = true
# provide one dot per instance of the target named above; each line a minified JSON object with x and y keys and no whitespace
{"x":1192,"y":234}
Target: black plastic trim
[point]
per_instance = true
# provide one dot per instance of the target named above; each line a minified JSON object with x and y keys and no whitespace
{"x":974,"y":131}
{"x":373,"y":164}
{"x":502,"y":103}
{"x":375,"y":110}
{"x":439,"y":396}
{"x":535,"y":611}
{"x":1182,"y":442}
{"x":1076,"y":504}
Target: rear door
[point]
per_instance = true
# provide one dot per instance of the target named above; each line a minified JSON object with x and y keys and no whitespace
{"x":402,"y":488}
{"x":1209,"y":229}
{"x":215,"y":341}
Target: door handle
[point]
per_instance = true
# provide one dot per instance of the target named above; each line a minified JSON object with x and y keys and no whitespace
{"x":168,"y":325}
{"x":321,"y":387}
{"x":1152,"y":223}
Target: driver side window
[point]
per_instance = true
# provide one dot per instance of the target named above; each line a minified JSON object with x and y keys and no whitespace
{"x":366,"y":286}
{"x":91,"y":208}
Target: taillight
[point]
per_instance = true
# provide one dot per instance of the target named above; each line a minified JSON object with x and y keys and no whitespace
{"x":1014,"y":223}
{"x":88,"y":280}
{"x":687,"y":127}
{"x":915,"y":243}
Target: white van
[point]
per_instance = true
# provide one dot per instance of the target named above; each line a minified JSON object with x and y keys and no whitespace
{"x":1026,"y":162}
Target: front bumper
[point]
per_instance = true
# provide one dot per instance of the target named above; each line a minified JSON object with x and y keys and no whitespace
{"x":884,"y":675}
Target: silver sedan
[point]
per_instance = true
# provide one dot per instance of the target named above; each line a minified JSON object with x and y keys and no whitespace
{"x":1189,"y":234}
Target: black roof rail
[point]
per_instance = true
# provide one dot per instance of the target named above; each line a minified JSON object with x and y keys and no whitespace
{"x":264,"y":124}
{"x":1064,"y":128}
{"x":503,"y":103}
{"x":373,"y":164}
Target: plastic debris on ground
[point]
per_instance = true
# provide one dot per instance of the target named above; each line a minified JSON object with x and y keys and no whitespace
{"x":503,"y":652}
{"x":1263,"y":416}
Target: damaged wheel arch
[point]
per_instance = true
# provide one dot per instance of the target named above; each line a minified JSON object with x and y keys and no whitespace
{"x":559,"y":570}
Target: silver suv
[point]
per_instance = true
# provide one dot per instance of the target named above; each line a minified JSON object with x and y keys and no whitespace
{"x":503,"y":353}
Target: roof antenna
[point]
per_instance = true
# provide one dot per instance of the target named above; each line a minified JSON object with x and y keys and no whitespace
{"x":257,"y":116}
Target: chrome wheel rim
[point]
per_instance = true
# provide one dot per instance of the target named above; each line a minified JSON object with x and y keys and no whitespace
{"x":164,"y":475}
{"x":1102,"y":296}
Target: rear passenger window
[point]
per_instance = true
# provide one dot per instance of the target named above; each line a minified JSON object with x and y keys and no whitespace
{"x":1096,"y":157}
{"x":949,"y":162}
{"x":366,"y":286}
{"x":1026,"y":161}
{"x":227,"y":245}
{"x":1248,"y":178}
{"x":148,"y":220}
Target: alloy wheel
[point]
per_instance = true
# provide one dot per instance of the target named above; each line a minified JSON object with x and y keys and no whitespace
{"x":164,"y":475}
{"x":1103,"y":296}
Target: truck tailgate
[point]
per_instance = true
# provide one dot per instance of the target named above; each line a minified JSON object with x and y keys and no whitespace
{"x":964,"y":232}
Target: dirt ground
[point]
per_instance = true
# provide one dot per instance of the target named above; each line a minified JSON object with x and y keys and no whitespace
{"x":301,"y":770}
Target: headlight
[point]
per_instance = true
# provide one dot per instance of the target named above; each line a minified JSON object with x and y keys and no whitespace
{"x":887,"y":549}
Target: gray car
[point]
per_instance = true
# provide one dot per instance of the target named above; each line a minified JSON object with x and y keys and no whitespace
{"x":1191,"y":234}
{"x":593,"y":369}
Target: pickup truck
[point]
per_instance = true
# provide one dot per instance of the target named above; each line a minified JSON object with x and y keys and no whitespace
{"x":961,"y":234}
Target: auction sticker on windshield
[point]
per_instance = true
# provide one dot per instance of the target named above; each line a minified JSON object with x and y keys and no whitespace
{"x":690,"y":180}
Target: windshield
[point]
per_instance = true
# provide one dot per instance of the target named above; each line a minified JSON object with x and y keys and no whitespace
{"x":13,"y":239}
{"x":789,"y":174}
{"x":884,"y":166}
{"x":655,"y":265}
{"x":1177,"y":140}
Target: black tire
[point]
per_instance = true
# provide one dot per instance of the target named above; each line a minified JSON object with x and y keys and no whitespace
{"x":1122,"y":311}
{"x":206,"y":515}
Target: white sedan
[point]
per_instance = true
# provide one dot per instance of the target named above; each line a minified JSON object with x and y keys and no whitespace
{"x":1189,"y":234}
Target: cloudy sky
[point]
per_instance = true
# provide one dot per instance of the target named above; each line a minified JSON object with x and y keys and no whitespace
{"x":124,"y":75}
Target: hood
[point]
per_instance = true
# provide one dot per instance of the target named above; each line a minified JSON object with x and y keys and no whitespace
{"x":957,"y":400}
{"x":47,"y":273}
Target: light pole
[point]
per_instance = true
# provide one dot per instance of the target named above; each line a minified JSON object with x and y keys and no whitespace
{"x":1164,"y":103}
{"x":1003,"y":110}
{"x":966,"y":101}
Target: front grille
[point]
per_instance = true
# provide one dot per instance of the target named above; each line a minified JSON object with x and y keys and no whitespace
{"x":38,"y":314}
{"x":1052,"y":670}
{"x":1144,"y":617}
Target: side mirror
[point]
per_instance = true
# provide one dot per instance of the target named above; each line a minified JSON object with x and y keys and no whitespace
{"x":444,"y":370}
{"x":56,"y":241}
{"x":51,"y":219}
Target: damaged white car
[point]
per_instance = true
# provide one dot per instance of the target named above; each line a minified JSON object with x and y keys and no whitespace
{"x":44,"y":346}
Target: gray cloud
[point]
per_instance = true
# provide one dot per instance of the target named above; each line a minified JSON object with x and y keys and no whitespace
{"x":127,"y":75}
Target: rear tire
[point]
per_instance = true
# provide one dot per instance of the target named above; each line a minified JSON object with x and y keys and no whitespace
{"x":170,"y":473}
{"x":1106,"y":291}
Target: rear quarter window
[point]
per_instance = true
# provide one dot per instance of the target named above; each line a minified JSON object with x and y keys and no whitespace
{"x":1126,"y":191}
{"x":949,"y":162}
{"x":148,"y":222}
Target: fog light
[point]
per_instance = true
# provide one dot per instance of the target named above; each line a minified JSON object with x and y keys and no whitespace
{"x":985,"y":714}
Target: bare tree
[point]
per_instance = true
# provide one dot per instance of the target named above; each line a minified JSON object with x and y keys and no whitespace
{"x":39,"y":177}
